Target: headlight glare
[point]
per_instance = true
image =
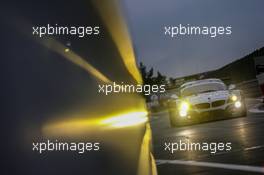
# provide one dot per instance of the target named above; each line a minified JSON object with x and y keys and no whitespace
{"x":183,"y":113}
{"x":234,"y":98}
{"x":184,"y":107}
{"x":238,"y":104}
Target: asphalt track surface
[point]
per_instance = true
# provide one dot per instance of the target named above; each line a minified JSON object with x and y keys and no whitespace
{"x":246,"y":135}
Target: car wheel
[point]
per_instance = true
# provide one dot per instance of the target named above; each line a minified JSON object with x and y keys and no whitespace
{"x":241,"y":113}
{"x":244,"y":111}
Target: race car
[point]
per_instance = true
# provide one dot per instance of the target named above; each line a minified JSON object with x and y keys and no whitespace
{"x":205,"y":100}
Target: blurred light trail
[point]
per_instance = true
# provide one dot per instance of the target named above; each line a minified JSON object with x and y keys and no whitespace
{"x":70,"y":55}
{"x":118,"y":30}
{"x":80,"y":126}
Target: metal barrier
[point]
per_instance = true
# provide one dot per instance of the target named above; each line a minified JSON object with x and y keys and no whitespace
{"x":250,"y":88}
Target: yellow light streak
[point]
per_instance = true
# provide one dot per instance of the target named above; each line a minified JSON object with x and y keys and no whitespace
{"x":54,"y":45}
{"x":70,"y":55}
{"x":79,"y":126}
{"x":128,"y":119}
{"x":118,"y":30}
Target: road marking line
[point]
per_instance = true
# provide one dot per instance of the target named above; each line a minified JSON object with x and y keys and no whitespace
{"x":254,"y":147}
{"x":213,"y":165}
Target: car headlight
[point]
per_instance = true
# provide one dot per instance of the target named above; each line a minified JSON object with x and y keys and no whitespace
{"x":238,"y":104}
{"x":234,"y":98}
{"x":183,"y":109}
{"x":184,"y":106}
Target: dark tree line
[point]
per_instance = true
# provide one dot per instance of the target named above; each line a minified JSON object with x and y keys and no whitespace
{"x":149,"y":78}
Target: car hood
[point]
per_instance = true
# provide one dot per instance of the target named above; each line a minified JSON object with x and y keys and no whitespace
{"x":208,"y":97}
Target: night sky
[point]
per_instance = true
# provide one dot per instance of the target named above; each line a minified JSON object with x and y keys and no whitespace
{"x":184,"y":55}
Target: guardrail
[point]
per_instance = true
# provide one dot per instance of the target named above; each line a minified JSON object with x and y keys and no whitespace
{"x":250,"y":88}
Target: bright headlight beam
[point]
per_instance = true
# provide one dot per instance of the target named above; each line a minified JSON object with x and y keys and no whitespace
{"x":184,"y":107}
{"x":234,"y":98}
{"x":238,"y":104}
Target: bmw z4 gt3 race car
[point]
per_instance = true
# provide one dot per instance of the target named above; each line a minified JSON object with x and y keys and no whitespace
{"x":205,"y":100}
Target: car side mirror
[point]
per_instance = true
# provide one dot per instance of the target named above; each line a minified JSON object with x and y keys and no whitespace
{"x":231,"y":87}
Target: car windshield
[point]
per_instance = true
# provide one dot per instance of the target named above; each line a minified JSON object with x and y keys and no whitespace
{"x":202,"y":88}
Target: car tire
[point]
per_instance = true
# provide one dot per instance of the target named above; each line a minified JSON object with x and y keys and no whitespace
{"x":244,"y":111}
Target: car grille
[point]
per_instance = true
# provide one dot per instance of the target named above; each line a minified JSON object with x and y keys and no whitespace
{"x":218,"y":103}
{"x":202,"y":105}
